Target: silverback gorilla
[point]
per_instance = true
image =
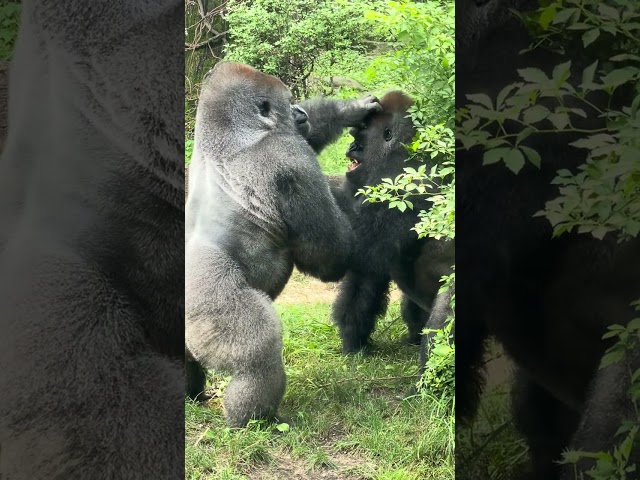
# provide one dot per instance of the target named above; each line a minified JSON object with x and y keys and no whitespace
{"x":258,"y":204}
{"x":547,"y":300}
{"x":386,"y":248}
{"x":91,"y":236}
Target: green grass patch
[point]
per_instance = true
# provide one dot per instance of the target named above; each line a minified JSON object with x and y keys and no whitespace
{"x":348,"y":418}
{"x":332,"y":159}
{"x":491,"y":448}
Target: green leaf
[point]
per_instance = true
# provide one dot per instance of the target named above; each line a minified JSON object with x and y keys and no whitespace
{"x":619,"y":76}
{"x":524,"y":133}
{"x":533,"y":75}
{"x":535,"y":114}
{"x":283,"y":427}
{"x":494,"y":155}
{"x":514,"y":160}
{"x":588,"y":73}
{"x":563,"y":15}
{"x":561,"y":72}
{"x":589,"y":37}
{"x":612,"y":357}
{"x":482,"y":99}
{"x":579,"y":26}
{"x":559,"y":120}
{"x":609,"y":12}
{"x":546,"y":16}
{"x":532,"y":155}
{"x":503,"y":95}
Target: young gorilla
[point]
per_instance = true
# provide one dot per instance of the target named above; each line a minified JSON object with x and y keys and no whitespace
{"x":386,"y":248}
{"x":258,"y":205}
{"x":548,"y":301}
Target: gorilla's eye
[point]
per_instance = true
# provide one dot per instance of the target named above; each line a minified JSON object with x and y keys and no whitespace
{"x":265,"y":108}
{"x":387,"y":134}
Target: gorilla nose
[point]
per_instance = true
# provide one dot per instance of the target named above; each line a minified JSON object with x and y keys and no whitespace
{"x":299,"y":114}
{"x":353,"y":147}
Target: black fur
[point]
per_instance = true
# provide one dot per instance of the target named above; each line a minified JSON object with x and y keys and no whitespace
{"x":546,"y":300}
{"x":385,"y":246}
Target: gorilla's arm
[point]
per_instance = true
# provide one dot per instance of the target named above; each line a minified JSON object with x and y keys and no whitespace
{"x":328,"y":118}
{"x":319,"y":232}
{"x":342,"y":193}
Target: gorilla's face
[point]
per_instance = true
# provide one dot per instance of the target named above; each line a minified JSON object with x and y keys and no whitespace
{"x":378,"y":148}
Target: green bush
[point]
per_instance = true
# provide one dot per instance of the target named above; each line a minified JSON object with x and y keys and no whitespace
{"x":289,"y":38}
{"x":9,"y":23}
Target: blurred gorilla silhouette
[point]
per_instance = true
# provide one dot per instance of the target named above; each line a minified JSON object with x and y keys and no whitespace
{"x":91,"y":244}
{"x":258,"y":204}
{"x":547,"y":300}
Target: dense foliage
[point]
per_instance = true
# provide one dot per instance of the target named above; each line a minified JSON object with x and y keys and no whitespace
{"x":9,"y":22}
{"x":290,"y":38}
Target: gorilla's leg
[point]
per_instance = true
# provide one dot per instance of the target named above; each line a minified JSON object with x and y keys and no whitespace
{"x":361,"y":300}
{"x":231,"y":327}
{"x":607,"y":408}
{"x":196,"y":378}
{"x":470,"y":371}
{"x":415,"y":317}
{"x":440,"y":311}
{"x":545,"y":422}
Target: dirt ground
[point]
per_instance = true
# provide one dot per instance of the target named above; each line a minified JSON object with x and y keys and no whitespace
{"x":292,"y":469}
{"x":305,"y":289}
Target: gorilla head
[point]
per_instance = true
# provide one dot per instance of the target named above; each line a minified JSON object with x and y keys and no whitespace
{"x":378,"y":149}
{"x":270,"y":108}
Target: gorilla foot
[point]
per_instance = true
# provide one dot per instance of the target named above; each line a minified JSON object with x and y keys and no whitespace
{"x":254,"y":396}
{"x":201,"y":397}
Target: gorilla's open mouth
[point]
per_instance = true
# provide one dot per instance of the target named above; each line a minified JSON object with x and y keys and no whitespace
{"x":354,"y":164}
{"x":352,"y":154}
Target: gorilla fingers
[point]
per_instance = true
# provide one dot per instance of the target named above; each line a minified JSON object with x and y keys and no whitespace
{"x":328,"y":118}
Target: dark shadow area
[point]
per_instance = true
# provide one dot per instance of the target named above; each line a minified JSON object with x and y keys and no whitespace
{"x":547,"y":255}
{"x":92,"y":242}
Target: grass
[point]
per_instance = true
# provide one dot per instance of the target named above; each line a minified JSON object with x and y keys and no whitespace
{"x":348,"y":418}
{"x":491,"y":448}
{"x":332,"y":159}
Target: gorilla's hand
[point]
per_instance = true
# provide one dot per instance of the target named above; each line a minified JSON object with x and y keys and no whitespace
{"x":356,"y":111}
{"x":301,"y":119}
